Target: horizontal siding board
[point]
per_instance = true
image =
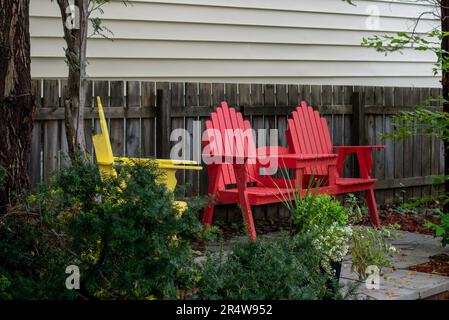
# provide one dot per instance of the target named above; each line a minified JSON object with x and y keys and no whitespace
{"x":404,"y":9}
{"x":145,"y":49}
{"x":313,"y":42}
{"x":142,"y":11}
{"x":150,"y":30}
{"x":236,"y":68}
{"x":386,"y":9}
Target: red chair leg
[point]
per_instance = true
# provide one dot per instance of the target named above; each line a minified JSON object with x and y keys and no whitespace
{"x":372,"y":207}
{"x":241,"y":175}
{"x":208,"y":214}
{"x":245,"y":206}
{"x":248,"y":220}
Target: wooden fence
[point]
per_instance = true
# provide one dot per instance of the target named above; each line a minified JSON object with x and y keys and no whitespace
{"x":140,"y":123}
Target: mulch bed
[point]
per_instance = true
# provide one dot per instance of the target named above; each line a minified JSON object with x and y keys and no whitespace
{"x":230,"y":230}
{"x":407,"y":222}
{"x":438,"y":264}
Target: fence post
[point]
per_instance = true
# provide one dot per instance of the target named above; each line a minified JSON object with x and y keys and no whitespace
{"x":358,"y":113}
{"x":163,"y":123}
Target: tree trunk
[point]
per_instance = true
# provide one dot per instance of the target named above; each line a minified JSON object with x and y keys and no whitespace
{"x":76,"y":40}
{"x":445,"y":84}
{"x":16,"y":102}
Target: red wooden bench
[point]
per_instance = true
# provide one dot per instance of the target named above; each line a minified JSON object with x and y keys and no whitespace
{"x":235,"y":177}
{"x":308,"y":133}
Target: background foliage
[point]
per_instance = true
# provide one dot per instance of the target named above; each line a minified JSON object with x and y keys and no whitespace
{"x":122,"y":232}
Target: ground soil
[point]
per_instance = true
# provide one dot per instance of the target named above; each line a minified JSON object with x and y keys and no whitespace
{"x":410,"y":222}
{"x":438,"y":264}
{"x":230,"y":230}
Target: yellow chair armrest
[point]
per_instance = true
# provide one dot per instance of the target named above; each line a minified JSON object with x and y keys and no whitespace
{"x":163,"y":163}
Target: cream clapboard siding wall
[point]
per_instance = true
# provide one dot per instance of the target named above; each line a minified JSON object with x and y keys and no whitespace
{"x":280,"y":41}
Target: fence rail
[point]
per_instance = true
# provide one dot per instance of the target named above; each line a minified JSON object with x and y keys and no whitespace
{"x":140,"y":124}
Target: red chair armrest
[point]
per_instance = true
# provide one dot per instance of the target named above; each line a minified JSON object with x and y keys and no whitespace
{"x":295,"y":161}
{"x":355,"y":148}
{"x":286,"y":160}
{"x":364,"y":157}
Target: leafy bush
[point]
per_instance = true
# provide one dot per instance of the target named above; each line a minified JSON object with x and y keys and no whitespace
{"x":327,"y":221}
{"x":441,"y":229}
{"x":371,"y":248}
{"x":122,"y":232}
{"x":284,"y":268}
{"x":4,"y":285}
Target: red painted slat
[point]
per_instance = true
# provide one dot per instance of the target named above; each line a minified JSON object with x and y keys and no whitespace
{"x":326,"y":134}
{"x":219,"y":125}
{"x":237,"y":136}
{"x":303,"y":145}
{"x":309,"y":134}
{"x":292,"y":135}
{"x":312,"y":129}
{"x":225,"y":123}
{"x":319,"y":126}
{"x":250,"y":145}
{"x":323,"y":146}
{"x":214,"y":146}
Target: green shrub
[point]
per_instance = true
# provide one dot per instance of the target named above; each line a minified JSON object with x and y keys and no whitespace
{"x":32,"y":263}
{"x":122,"y":232}
{"x":4,"y":285}
{"x":441,"y":229}
{"x":284,"y":268}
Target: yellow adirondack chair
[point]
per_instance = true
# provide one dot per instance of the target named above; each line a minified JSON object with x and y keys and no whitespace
{"x":106,"y":159}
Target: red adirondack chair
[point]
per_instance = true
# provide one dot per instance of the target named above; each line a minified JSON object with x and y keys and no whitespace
{"x":235,"y":177}
{"x":308,"y":133}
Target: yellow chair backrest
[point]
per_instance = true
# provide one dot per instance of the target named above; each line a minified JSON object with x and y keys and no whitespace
{"x":106,"y":159}
{"x":102,"y":144}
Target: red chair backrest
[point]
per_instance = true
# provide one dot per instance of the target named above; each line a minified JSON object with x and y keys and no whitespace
{"x":308,"y":133}
{"x":225,"y":118}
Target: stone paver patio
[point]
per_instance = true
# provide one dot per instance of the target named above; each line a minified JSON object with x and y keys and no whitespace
{"x":399,"y":283}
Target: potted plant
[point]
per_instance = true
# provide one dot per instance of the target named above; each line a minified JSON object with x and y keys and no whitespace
{"x":326,"y":221}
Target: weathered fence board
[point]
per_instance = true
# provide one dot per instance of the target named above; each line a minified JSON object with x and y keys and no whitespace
{"x":142,"y":115}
